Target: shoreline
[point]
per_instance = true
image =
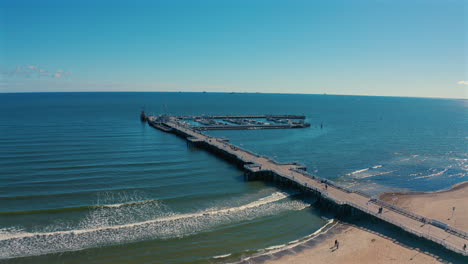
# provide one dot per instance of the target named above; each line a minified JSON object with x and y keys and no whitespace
{"x":329,"y":230}
{"x":374,"y":247}
{"x":449,"y":206}
{"x":455,"y":187}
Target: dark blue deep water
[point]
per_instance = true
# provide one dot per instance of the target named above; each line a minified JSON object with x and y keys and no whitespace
{"x":82,"y":180}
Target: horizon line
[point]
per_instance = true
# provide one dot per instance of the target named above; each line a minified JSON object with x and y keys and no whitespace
{"x":285,"y":93}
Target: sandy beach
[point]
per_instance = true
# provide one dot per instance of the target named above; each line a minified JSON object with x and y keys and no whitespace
{"x":375,"y":248}
{"x":436,"y":205}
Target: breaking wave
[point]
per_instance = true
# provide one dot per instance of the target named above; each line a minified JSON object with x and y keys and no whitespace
{"x":79,"y":208}
{"x":369,"y":172}
{"x":433,"y":174}
{"x":358,"y":171}
{"x":277,"y":248}
{"x":96,"y":229}
{"x":364,"y":170}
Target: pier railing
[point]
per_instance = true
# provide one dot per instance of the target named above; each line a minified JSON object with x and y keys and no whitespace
{"x":420,"y":218}
{"x":415,"y":216}
{"x":231,"y":145}
{"x":296,"y":168}
{"x":428,"y":236}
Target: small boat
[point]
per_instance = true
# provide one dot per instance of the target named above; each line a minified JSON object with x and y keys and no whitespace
{"x":143,"y":116}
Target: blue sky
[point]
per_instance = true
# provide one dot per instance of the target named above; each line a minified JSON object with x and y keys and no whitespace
{"x":372,"y":47}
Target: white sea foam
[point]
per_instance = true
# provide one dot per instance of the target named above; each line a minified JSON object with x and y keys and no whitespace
{"x":461,"y":163}
{"x":293,"y":242}
{"x":270,"y":199}
{"x":330,"y":223}
{"x":374,"y":174}
{"x":222,"y":256}
{"x":125,"y":204}
{"x":368,"y":172}
{"x":407,"y":158}
{"x":459,"y":175}
{"x":273,"y":249}
{"x":358,"y":171}
{"x":99,"y":232}
{"x":460,"y":159}
{"x":11,"y":232}
{"x":432,"y":175}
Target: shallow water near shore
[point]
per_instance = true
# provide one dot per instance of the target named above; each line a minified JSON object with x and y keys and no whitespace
{"x":83,"y":181}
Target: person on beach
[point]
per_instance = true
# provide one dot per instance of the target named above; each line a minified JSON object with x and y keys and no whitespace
{"x":464,"y":247}
{"x":337,"y":245}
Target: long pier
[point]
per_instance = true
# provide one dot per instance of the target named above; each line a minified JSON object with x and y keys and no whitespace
{"x":343,"y":199}
{"x":238,"y":122}
{"x":248,"y":116}
{"x":236,"y":127}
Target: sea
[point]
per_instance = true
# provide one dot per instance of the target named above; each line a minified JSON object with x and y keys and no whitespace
{"x":83,"y":180}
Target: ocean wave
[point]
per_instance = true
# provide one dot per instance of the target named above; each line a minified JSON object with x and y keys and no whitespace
{"x":124,"y":204}
{"x":369,"y":172}
{"x":364,"y":170}
{"x":375,"y":174}
{"x":460,"y":159}
{"x":77,"y":208}
{"x":461,"y":163}
{"x":222,"y":256}
{"x":270,"y":199}
{"x":358,"y":171}
{"x":10,"y":232}
{"x":433,"y":175}
{"x":277,"y":248}
{"x":97,"y":233}
{"x":459,"y":175}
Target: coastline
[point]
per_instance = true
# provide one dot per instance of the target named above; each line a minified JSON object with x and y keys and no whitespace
{"x":437,"y":205}
{"x":360,"y":245}
{"x":455,"y":187}
{"x":357,"y":246}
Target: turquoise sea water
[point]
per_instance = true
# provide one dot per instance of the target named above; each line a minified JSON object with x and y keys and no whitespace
{"x":82,"y":180}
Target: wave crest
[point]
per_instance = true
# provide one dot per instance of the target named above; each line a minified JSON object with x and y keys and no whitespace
{"x":97,"y":230}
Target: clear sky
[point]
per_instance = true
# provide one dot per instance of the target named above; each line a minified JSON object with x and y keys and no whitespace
{"x":372,"y":47}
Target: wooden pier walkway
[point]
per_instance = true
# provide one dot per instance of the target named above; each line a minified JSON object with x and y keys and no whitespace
{"x":240,"y":127}
{"x":239,"y":122}
{"x":253,"y":163}
{"x":247,"y":116}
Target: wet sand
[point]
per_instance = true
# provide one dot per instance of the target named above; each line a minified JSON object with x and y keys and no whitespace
{"x":358,"y":245}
